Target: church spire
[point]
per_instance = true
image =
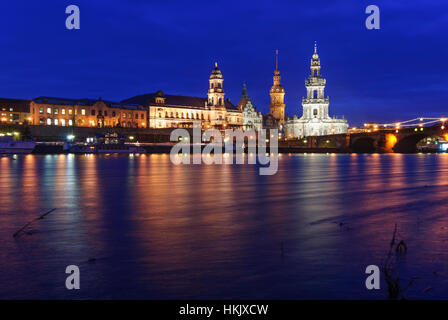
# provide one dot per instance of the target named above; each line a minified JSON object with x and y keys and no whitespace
{"x":315,"y":63}
{"x":277,"y":93}
{"x":276,"y":59}
{"x":244,"y":92}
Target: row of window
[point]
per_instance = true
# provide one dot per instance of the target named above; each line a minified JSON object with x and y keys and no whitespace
{"x":219,"y":86}
{"x":12,"y":117}
{"x":190,"y":116}
{"x":56,"y":122}
{"x":183,"y":116}
{"x":55,"y":111}
{"x":83,"y":123}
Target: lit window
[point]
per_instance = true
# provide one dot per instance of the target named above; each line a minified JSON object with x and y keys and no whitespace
{"x":70,"y":111}
{"x":62,"y":111}
{"x":70,"y":122}
{"x":49,"y":122}
{"x":41,"y":110}
{"x":49,"y":110}
{"x":83,"y":112}
{"x":56,"y":122}
{"x":63,"y":122}
{"x":56,"y":111}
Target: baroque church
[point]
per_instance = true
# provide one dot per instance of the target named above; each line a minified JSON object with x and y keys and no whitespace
{"x":315,"y":120}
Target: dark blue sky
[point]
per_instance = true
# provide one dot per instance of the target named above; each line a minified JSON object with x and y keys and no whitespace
{"x":130,"y":47}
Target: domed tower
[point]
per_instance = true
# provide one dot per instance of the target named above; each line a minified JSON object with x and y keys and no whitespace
{"x":216,"y":90}
{"x":315,"y":105}
{"x":277,"y":93}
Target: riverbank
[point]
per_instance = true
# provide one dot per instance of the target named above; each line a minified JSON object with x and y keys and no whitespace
{"x":164,"y":148}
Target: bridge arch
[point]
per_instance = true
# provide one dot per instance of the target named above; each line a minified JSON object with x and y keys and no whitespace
{"x":364,"y":144}
{"x":408,"y":144}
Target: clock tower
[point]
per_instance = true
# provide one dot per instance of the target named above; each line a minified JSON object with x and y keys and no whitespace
{"x":277,"y":93}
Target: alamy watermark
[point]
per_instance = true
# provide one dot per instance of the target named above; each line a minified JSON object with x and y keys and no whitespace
{"x":73,"y":20}
{"x":212,"y":151}
{"x":373,"y":20}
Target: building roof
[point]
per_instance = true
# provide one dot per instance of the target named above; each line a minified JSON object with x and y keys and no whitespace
{"x":120,"y":105}
{"x":86,"y":102}
{"x":174,"y":101}
{"x":64,"y":101}
{"x":18,"y":105}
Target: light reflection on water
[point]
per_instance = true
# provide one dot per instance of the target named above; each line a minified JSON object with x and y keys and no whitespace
{"x":157,"y":231}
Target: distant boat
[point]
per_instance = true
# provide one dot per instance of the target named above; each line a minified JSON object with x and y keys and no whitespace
{"x":106,"y":148}
{"x":9,"y":146}
{"x":434,"y":148}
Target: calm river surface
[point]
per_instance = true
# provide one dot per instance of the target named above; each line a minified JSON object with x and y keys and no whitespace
{"x":141,"y":227}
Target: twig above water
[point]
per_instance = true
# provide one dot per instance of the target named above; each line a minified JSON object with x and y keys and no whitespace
{"x":17,"y":233}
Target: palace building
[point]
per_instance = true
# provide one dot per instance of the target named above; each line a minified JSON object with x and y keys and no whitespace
{"x":86,"y":113}
{"x":315,"y":120}
{"x":174,"y":111}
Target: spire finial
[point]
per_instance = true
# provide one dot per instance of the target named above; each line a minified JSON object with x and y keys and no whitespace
{"x":276,"y":59}
{"x":244,"y":92}
{"x":315,"y":46}
{"x":216,"y":64}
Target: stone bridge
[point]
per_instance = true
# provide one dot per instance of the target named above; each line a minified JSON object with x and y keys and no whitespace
{"x":403,"y":140}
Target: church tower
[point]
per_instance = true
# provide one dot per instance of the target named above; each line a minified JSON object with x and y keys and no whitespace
{"x":315,"y":105}
{"x":277,"y":93}
{"x":215,"y":89}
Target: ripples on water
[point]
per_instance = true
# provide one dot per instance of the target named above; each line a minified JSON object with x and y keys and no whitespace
{"x":161,"y":231}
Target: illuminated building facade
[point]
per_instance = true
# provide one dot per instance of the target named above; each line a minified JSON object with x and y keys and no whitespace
{"x":252,"y":119}
{"x":86,"y":113}
{"x":175,"y":111}
{"x":315,"y":120}
{"x":277,"y":93}
{"x":15,"y":111}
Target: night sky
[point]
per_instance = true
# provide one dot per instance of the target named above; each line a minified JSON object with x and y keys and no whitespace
{"x":131,"y":47}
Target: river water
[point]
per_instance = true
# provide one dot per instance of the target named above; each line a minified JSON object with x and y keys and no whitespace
{"x":141,"y":227}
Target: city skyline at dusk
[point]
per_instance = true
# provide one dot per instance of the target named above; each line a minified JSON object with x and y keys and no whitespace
{"x":371,"y":74}
{"x":217,"y":159}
